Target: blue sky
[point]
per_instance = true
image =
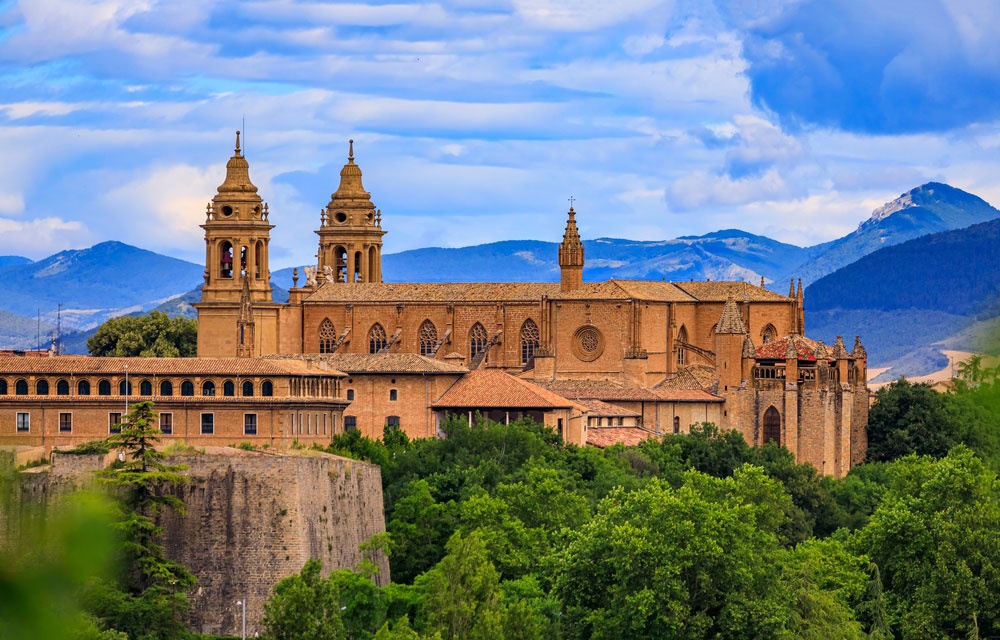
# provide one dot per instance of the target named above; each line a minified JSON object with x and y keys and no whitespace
{"x":475,"y":121}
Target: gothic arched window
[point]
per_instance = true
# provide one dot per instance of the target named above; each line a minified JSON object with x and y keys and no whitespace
{"x":772,"y":426}
{"x":768,"y":334}
{"x":376,"y":338}
{"x":682,"y":338}
{"x":477,"y":341}
{"x":529,"y":340}
{"x":428,"y":338}
{"x":327,"y":336}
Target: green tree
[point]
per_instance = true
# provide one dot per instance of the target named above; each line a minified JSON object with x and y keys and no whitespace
{"x":149,"y":598}
{"x":152,"y":335}
{"x":934,"y":540}
{"x":697,"y":562}
{"x":911,"y":418}
{"x":304,"y":607}
{"x":461,"y":595}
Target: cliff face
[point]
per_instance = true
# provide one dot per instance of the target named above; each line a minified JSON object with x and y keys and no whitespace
{"x":253,"y":518}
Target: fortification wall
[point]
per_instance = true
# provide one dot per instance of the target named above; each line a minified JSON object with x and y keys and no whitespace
{"x":253,"y":518}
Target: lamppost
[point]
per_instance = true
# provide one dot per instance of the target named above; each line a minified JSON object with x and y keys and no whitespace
{"x":243,"y":606}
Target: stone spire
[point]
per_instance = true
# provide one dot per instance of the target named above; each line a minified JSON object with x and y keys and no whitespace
{"x":350,"y":181}
{"x":821,"y":352}
{"x":801,"y":307}
{"x":859,"y":351}
{"x":748,"y":349}
{"x":839,"y":350}
{"x":245,"y":323}
{"x":571,"y":256}
{"x":731,"y":320}
{"x":791,"y":353}
{"x":237,"y":173}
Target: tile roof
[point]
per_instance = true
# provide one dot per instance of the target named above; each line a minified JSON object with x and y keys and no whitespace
{"x":599,"y":408}
{"x":495,"y":389}
{"x":777,"y":349}
{"x":607,"y":436}
{"x":598,"y":390}
{"x":721,"y":291}
{"x":159,"y":366}
{"x":692,"y":376}
{"x":433,"y":292}
{"x":377,"y":363}
{"x":662,"y":291}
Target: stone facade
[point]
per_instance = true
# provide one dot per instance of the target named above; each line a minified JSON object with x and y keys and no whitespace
{"x":628,"y":334}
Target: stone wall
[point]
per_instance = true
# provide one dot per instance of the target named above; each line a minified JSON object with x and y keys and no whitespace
{"x":253,"y":518}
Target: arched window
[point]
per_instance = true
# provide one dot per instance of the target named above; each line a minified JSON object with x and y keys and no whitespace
{"x":208,"y":388}
{"x":772,"y":426}
{"x":166,"y":388}
{"x":327,"y":336}
{"x":42,"y":388}
{"x":682,"y":338}
{"x":21,"y":387}
{"x":187,"y":388}
{"x":529,"y":340}
{"x":3,"y":387}
{"x":62,"y":388}
{"x":266,"y":388}
{"x":83,"y":388}
{"x":768,"y":334}
{"x":376,"y":338}
{"x":228,"y":388}
{"x":226,"y":260}
{"x":247,"y":389}
{"x":477,"y":341}
{"x":145,"y":388}
{"x":123,"y":389}
{"x":428,"y":336}
{"x":104,"y":388}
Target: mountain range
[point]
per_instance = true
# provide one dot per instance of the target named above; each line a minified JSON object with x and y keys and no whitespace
{"x":844,"y":293}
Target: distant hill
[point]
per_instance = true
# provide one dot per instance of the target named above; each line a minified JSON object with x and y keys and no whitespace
{"x":903,"y":299}
{"x":929,"y":208}
{"x":724,"y":255}
{"x":93,"y":284}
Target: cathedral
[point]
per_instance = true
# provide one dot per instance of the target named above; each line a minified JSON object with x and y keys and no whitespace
{"x":602,"y":362}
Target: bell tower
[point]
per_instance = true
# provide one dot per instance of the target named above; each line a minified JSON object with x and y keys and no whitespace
{"x":237,"y":275}
{"x":350,"y":233}
{"x":237,"y":233}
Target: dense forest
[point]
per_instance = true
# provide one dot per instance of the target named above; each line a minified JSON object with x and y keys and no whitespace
{"x":503,"y":531}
